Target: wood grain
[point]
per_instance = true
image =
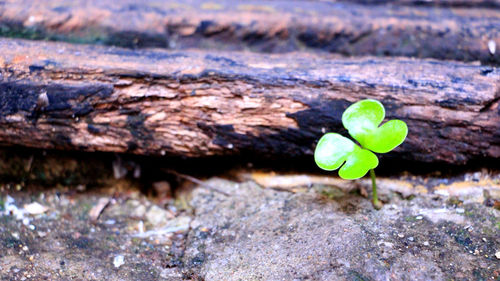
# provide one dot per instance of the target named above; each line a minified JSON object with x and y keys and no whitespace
{"x":455,"y":33}
{"x":431,"y":3}
{"x":194,"y":103}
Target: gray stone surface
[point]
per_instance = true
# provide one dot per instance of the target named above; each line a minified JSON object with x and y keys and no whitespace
{"x":258,"y":234}
{"x":318,"y":233}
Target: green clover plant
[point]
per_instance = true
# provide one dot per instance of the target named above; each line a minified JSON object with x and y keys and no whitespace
{"x":362,"y":120}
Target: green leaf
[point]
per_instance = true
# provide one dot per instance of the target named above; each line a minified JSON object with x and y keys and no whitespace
{"x":362,"y":120}
{"x":387,"y":137}
{"x":358,"y":164}
{"x":333,"y":150}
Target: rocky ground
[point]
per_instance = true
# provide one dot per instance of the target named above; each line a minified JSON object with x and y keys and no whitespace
{"x":260,"y":227}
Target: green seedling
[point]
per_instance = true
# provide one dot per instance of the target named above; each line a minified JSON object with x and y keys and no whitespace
{"x":362,"y":120}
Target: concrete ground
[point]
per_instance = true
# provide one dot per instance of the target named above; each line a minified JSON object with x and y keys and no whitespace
{"x":312,"y":229}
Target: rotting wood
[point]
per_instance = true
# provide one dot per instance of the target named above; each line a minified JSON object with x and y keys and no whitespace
{"x":433,"y":3}
{"x":463,"y":34}
{"x":194,"y":104}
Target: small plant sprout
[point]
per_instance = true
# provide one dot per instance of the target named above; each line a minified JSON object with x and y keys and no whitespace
{"x":362,"y":120}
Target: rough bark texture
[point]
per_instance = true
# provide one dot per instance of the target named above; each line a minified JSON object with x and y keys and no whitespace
{"x":444,"y":3}
{"x":56,"y":95}
{"x":461,"y":33}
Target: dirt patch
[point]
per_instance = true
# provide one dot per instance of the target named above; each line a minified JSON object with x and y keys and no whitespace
{"x":64,"y":244}
{"x":246,"y":232}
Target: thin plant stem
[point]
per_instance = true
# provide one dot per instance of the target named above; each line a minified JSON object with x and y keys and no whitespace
{"x":375,"y":201}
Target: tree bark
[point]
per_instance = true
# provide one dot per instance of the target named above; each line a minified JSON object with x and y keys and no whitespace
{"x":458,"y":33}
{"x":192,"y":103}
{"x":438,"y":3}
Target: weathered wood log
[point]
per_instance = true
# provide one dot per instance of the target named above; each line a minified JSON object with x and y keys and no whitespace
{"x":464,"y":34}
{"x":193,"y":103}
{"x":438,"y":3}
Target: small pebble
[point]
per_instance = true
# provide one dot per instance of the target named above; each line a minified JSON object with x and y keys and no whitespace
{"x":35,"y":208}
{"x":419,"y":217}
{"x":492,"y":47}
{"x":476,"y":176}
{"x":118,"y":261}
{"x":497,"y":254}
{"x":400,"y":235}
{"x":460,"y":210}
{"x":426,"y":243}
{"x":158,"y":216}
{"x":411,"y":239}
{"x":140,"y":226}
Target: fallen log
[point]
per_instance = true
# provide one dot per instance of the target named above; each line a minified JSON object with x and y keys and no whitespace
{"x":438,"y":3}
{"x":464,"y":34}
{"x":193,"y":103}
